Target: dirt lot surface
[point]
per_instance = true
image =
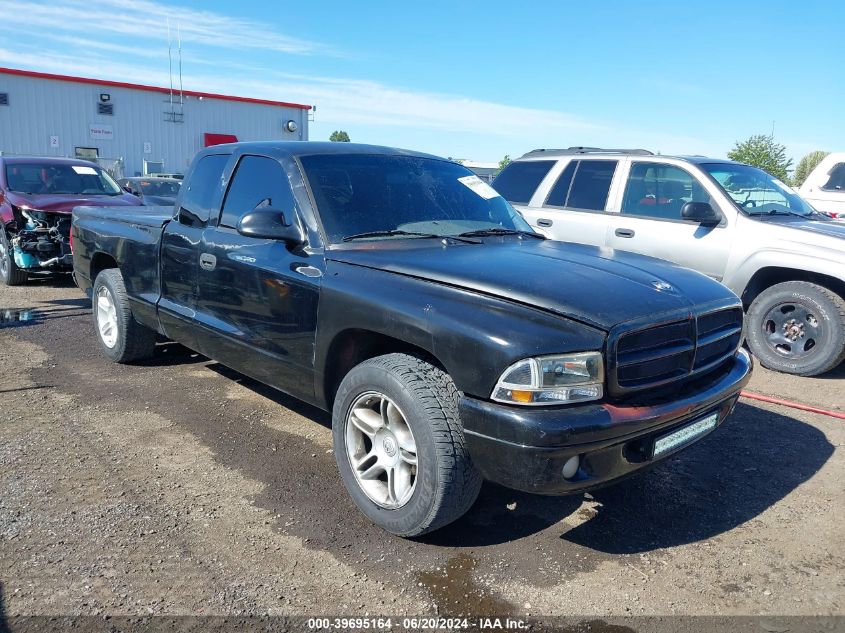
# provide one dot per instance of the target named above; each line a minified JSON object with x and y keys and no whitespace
{"x":181,"y":487}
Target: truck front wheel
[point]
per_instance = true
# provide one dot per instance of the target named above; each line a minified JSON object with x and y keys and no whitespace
{"x":121,"y":337}
{"x":10,"y":274}
{"x":400,"y":447}
{"x":798,"y":328}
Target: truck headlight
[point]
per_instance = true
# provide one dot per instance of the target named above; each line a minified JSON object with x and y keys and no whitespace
{"x":550,"y":380}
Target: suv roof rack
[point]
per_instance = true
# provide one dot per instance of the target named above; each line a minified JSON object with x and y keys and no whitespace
{"x":587,"y":150}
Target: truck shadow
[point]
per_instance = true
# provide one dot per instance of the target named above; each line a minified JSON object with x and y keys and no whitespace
{"x":756,"y":459}
{"x":167,"y":354}
{"x":282,"y":399}
{"x":56,"y":280}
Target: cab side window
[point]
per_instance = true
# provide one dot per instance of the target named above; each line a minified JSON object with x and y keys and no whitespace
{"x":584,"y":184}
{"x":657,"y":190}
{"x":201,"y":190}
{"x":518,"y":181}
{"x":258,"y":182}
{"x":836,"y":180}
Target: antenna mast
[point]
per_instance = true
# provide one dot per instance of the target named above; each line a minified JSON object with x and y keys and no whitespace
{"x":170,"y":62}
{"x":179,"y":36}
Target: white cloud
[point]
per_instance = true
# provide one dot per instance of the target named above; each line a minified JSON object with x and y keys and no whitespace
{"x":148,"y":20}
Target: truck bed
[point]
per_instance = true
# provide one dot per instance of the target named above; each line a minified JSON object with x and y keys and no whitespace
{"x":128,"y":236}
{"x":141,"y":216}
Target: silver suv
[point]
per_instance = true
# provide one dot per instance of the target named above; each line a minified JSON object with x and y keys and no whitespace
{"x":731,"y":221}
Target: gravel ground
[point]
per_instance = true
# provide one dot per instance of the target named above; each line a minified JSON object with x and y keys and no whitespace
{"x":180,"y":487}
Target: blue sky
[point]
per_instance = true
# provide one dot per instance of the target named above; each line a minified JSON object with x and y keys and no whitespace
{"x":478,"y":79}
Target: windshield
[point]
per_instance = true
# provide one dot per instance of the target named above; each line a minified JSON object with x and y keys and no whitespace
{"x":163,"y":188}
{"x":755,"y":191}
{"x":45,"y":178}
{"x":391,"y":196}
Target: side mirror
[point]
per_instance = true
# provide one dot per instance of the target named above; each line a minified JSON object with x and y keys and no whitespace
{"x":701,"y":212}
{"x":270,"y":224}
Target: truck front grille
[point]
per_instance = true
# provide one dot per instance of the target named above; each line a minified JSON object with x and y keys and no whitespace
{"x":660,"y":354}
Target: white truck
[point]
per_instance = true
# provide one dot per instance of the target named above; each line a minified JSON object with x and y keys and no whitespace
{"x":733,"y":222}
{"x":824,"y":188}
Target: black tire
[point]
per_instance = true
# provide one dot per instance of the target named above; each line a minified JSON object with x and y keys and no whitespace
{"x":797,"y":328}
{"x":133,"y":341}
{"x":10,"y":274}
{"x":447,"y":483}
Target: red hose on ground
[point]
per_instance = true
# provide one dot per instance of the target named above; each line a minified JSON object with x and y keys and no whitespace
{"x":795,"y":405}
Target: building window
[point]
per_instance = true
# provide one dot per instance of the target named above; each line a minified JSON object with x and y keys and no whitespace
{"x":4,"y":98}
{"x":87,"y":153}
{"x":105,"y":108}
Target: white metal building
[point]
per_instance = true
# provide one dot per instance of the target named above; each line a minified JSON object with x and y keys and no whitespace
{"x":132,"y":129}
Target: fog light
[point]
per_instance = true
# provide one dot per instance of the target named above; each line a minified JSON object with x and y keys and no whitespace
{"x":570,"y":468}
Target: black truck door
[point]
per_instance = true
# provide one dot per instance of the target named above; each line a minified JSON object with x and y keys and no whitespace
{"x":257,"y":303}
{"x":180,"y":248}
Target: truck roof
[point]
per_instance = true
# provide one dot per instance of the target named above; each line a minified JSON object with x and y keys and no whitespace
{"x":310,"y":148}
{"x":599,"y":151}
{"x":45,"y":160}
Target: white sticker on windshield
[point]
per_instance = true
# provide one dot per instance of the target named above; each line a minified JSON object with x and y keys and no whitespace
{"x":781,"y":185}
{"x":479,"y":186}
{"x":84,"y":171}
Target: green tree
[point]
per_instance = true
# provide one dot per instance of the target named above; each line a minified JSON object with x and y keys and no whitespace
{"x":503,"y":163}
{"x":806,"y":165}
{"x":339,"y":136}
{"x":762,"y":151}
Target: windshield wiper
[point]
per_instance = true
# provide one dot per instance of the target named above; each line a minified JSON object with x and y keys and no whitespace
{"x":400,"y":232}
{"x":501,"y":231}
{"x":786,"y":212}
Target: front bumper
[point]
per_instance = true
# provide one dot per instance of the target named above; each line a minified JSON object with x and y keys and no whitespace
{"x":526,"y":449}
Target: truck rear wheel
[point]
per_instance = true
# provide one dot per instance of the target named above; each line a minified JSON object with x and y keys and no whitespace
{"x":121,"y":337}
{"x":798,"y":328}
{"x":400,"y":447}
{"x":10,"y":274}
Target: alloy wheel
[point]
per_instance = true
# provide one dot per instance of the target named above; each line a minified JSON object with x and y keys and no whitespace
{"x":381,"y":449}
{"x":106,"y":317}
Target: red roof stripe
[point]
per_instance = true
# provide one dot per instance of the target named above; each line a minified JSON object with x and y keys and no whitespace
{"x":121,"y":84}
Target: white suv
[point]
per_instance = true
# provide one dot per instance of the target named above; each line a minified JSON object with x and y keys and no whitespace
{"x":731,"y":221}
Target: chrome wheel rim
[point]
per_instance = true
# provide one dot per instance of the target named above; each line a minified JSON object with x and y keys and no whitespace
{"x":381,"y":449}
{"x":106,"y":317}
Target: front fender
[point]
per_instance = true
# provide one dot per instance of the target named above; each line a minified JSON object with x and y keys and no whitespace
{"x":474,"y":336}
{"x":827,"y":263}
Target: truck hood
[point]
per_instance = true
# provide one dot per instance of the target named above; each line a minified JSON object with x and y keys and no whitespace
{"x":64,"y":203}
{"x":819,"y":227}
{"x":596,"y":286}
{"x":818,"y":238}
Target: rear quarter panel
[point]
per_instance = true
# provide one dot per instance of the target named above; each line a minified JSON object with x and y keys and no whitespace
{"x":131,"y":239}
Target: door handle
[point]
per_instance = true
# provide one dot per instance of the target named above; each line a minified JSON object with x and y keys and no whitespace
{"x":208,"y":261}
{"x":624,"y":232}
{"x":544,"y":222}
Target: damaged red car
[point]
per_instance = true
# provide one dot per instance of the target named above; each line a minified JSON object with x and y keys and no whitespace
{"x":37,"y":196}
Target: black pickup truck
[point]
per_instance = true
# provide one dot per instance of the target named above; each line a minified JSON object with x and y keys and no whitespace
{"x":400,"y":292}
